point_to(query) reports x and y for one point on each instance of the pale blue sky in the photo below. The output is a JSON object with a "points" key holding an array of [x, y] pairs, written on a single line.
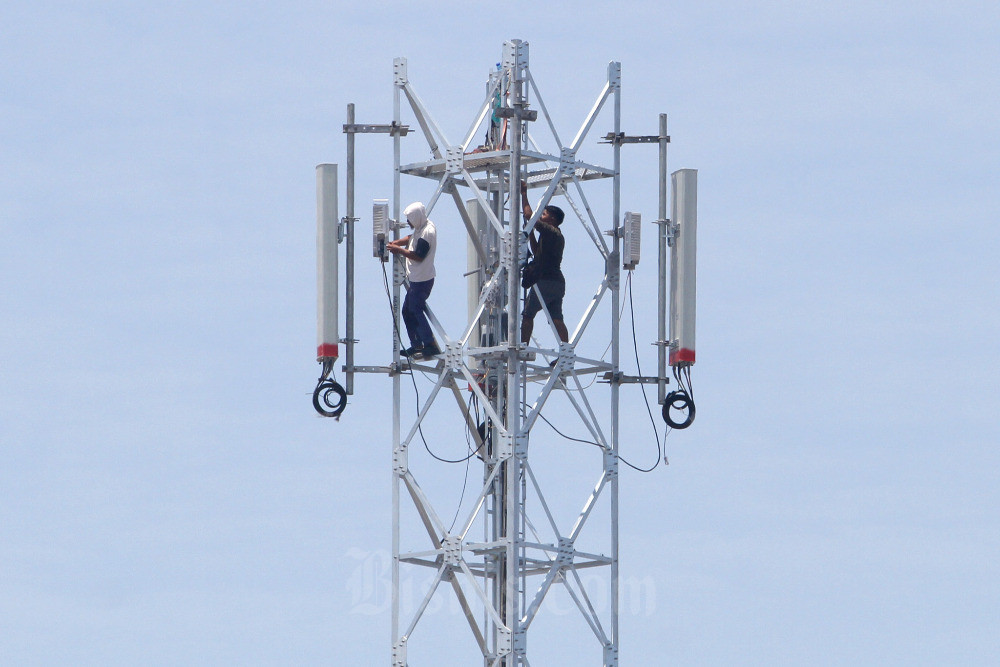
{"points": [[169, 497]]}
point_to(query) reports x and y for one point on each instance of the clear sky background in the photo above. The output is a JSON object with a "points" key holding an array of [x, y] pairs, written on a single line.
{"points": [[167, 494]]}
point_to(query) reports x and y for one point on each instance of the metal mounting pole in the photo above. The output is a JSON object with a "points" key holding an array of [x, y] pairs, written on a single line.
{"points": [[398, 453], [661, 246], [611, 464], [349, 311], [512, 467]]}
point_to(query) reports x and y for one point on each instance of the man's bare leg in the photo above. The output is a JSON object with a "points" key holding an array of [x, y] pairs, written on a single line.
{"points": [[561, 330], [527, 326]]}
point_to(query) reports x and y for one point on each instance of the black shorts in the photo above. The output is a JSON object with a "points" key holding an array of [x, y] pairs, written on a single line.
{"points": [[553, 292]]}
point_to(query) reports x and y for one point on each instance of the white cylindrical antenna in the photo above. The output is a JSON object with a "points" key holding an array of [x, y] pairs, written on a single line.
{"points": [[327, 335], [684, 215]]}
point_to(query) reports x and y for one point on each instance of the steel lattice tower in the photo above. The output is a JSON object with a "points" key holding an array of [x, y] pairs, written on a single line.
{"points": [[503, 557]]}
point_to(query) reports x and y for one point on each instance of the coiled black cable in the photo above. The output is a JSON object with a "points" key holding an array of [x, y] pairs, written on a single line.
{"points": [[321, 398], [678, 400], [681, 399]]}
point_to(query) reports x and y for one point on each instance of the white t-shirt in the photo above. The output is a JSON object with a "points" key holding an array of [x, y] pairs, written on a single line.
{"points": [[424, 269], [423, 229]]}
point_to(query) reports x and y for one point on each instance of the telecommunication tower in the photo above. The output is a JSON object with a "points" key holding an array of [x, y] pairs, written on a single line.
{"points": [[511, 548]]}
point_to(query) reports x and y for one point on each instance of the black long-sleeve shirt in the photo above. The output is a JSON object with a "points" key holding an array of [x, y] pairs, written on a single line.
{"points": [[549, 252]]}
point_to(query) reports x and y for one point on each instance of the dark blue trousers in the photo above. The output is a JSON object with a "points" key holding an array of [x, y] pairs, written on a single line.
{"points": [[414, 317]]}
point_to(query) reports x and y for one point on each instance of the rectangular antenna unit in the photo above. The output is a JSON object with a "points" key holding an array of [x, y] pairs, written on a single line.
{"points": [[380, 229], [327, 336], [630, 246], [684, 214], [475, 273]]}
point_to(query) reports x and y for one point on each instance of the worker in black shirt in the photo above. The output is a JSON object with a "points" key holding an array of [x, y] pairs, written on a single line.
{"points": [[548, 251]]}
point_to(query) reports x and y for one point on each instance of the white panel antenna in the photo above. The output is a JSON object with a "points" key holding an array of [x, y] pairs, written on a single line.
{"points": [[630, 247], [684, 215], [327, 336], [380, 229], [474, 276]]}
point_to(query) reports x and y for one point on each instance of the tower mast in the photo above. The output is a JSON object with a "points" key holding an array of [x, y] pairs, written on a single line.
{"points": [[501, 581]]}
